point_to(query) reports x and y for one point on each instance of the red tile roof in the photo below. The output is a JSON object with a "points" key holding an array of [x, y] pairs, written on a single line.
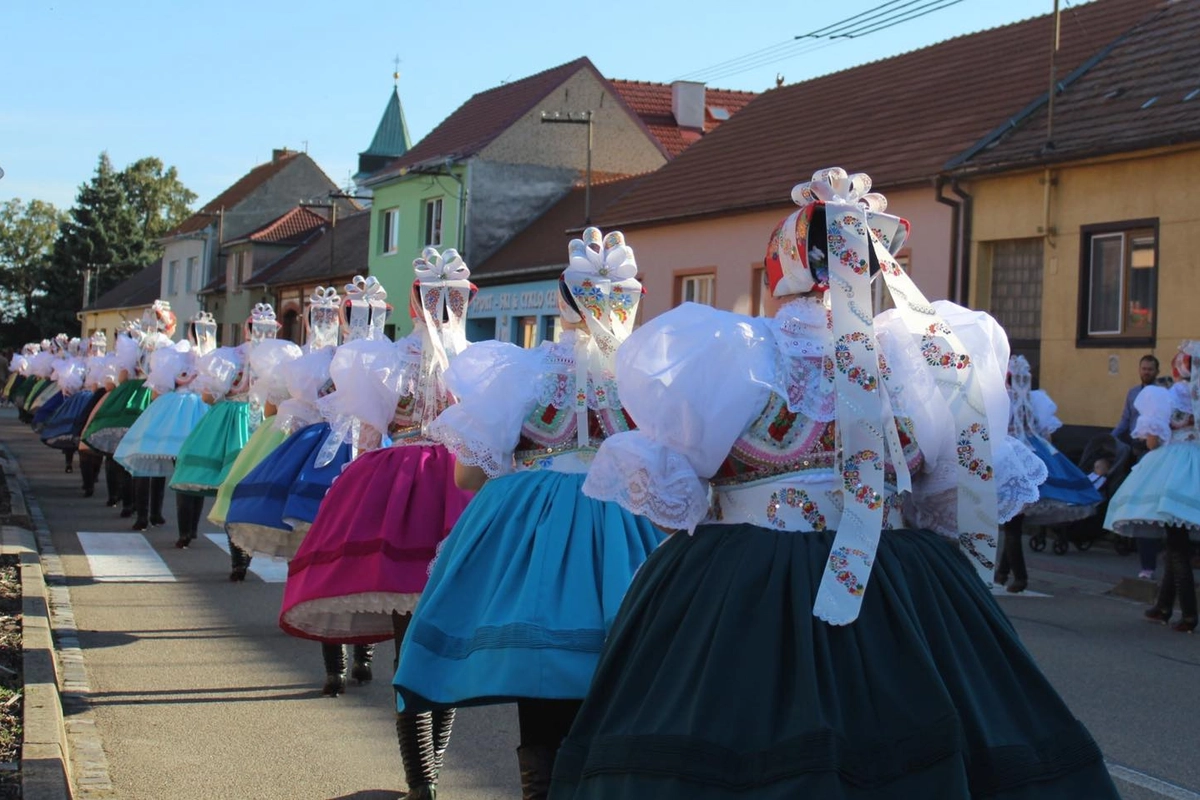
{"points": [[484, 117], [652, 103], [899, 119], [328, 254], [1144, 92], [542, 246], [291, 228], [235, 194]]}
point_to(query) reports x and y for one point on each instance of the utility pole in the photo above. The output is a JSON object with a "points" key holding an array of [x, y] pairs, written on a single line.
{"points": [[1053, 78], [584, 118]]}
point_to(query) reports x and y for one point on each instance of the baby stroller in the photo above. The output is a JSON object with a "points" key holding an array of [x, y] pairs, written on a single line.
{"points": [[1084, 532]]}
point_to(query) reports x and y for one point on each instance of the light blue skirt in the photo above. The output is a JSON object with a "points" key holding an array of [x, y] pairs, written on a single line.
{"points": [[1161, 490], [522, 595], [153, 442]]}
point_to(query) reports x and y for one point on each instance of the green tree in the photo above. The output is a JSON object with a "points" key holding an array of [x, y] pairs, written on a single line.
{"points": [[159, 198], [27, 232]]}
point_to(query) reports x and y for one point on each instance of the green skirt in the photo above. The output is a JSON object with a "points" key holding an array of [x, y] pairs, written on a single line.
{"points": [[208, 453], [261, 444], [717, 682], [122, 406], [39, 385]]}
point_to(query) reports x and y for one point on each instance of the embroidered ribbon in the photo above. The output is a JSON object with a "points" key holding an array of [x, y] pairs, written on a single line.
{"points": [[601, 275], [324, 319], [445, 288], [1021, 418], [202, 332]]}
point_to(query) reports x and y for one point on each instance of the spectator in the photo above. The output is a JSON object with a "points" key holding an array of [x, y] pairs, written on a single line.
{"points": [[1147, 373]]}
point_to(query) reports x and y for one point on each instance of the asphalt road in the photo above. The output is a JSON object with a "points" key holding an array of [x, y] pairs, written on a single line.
{"points": [[196, 692]]}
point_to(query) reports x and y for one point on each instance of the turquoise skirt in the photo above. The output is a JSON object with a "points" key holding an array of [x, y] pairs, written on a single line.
{"points": [[718, 682], [151, 445], [521, 595], [208, 453], [1163, 489]]}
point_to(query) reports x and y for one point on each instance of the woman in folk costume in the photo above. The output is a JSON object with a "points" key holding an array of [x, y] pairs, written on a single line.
{"points": [[132, 396], [257, 520], [150, 448], [115, 368], [90, 462], [20, 382], [362, 566], [1160, 497], [61, 430], [528, 582], [1065, 496], [42, 367], [62, 367], [782, 452], [207, 454]]}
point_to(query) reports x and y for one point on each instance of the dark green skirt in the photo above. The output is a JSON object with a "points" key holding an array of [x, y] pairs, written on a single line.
{"points": [[717, 682], [122, 406]]}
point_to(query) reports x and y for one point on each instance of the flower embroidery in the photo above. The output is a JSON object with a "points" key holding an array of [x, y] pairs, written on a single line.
{"points": [[795, 498], [852, 474], [966, 452], [839, 565]]}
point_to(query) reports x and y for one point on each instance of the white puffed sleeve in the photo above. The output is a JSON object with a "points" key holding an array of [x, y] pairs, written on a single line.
{"points": [[497, 385], [693, 380], [41, 365], [304, 376], [1154, 405], [1044, 413], [167, 364], [69, 374], [267, 360], [364, 374], [126, 356], [218, 370]]}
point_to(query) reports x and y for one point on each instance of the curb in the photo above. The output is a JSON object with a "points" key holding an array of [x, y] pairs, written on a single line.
{"points": [[81, 753]]}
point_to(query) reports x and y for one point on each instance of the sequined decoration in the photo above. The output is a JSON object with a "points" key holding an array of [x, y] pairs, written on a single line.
{"points": [[795, 498]]}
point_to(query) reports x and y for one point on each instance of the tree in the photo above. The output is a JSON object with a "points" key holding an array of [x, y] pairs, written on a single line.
{"points": [[158, 197], [27, 232]]}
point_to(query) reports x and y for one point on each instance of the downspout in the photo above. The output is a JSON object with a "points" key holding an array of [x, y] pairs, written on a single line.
{"points": [[968, 205], [955, 210]]}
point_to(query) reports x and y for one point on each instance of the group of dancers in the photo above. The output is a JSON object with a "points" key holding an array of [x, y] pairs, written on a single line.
{"points": [[717, 556]]}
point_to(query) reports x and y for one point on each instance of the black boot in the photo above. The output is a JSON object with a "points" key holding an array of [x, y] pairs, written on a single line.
{"points": [[537, 764], [127, 492], [89, 471], [240, 560], [361, 670], [158, 488], [335, 669], [442, 723], [112, 481], [1179, 571], [183, 518], [415, 736], [69, 457], [194, 521], [141, 503]]}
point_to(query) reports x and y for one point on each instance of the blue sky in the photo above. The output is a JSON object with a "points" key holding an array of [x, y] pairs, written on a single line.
{"points": [[211, 88]]}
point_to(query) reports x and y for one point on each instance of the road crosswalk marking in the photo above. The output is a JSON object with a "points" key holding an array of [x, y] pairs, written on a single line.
{"points": [[271, 570], [999, 591], [123, 558]]}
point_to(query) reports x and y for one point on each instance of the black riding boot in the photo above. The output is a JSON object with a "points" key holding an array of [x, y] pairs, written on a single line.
{"points": [[361, 670], [335, 669], [537, 764], [112, 481], [544, 724], [183, 518], [194, 522], [127, 492], [69, 458], [1012, 557], [240, 560], [1178, 582], [141, 503], [443, 722], [158, 488], [415, 736], [89, 470]]}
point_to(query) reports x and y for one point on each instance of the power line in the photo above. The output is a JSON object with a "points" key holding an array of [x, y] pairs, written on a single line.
{"points": [[873, 20]]}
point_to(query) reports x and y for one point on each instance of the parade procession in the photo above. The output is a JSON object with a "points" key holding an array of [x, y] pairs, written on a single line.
{"points": [[750, 443]]}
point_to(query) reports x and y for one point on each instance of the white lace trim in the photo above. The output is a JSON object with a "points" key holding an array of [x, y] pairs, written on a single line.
{"points": [[471, 452], [648, 480], [804, 369], [335, 616], [261, 540], [1019, 473]]}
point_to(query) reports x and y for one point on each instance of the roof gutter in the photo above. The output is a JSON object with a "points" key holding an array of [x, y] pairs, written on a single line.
{"points": [[964, 257], [939, 184]]}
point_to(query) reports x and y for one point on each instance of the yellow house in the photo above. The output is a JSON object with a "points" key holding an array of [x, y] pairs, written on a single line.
{"points": [[1085, 219], [125, 301]]}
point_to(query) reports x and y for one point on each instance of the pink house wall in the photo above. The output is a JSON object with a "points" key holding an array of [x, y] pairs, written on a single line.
{"points": [[732, 246]]}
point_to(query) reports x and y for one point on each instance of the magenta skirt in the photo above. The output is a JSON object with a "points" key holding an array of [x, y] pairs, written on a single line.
{"points": [[369, 551]]}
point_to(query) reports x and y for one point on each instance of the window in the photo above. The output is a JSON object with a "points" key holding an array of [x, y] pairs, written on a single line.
{"points": [[758, 290], [390, 233], [191, 284], [695, 287], [1118, 283], [551, 328], [527, 332], [172, 278], [433, 223]]}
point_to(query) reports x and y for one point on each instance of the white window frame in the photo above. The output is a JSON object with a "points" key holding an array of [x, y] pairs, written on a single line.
{"points": [[389, 234], [190, 274], [1096, 237], [703, 286], [173, 278], [433, 222]]}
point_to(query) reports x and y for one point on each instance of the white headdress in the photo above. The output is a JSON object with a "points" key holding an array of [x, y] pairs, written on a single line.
{"points": [[366, 308], [202, 333], [324, 320]]}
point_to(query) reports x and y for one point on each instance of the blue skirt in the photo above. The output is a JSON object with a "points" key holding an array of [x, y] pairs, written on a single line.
{"points": [[1067, 494], [258, 519], [521, 595], [62, 430], [717, 682], [47, 411], [1160, 491], [152, 443]]}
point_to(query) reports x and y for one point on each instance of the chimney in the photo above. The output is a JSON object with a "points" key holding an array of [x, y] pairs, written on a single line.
{"points": [[279, 153], [687, 104]]}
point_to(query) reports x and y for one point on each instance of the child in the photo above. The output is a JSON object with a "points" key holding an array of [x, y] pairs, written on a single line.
{"points": [[1099, 474]]}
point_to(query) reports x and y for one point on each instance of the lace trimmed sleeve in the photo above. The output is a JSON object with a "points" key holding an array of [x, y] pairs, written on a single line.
{"points": [[365, 373], [497, 385], [693, 380], [1044, 413], [167, 364], [1154, 406], [267, 360]]}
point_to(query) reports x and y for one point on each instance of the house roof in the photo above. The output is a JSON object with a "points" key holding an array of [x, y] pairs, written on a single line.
{"points": [[239, 191], [542, 246], [652, 103], [899, 119], [293, 227], [329, 253], [391, 137], [1142, 92], [484, 117], [140, 289]]}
